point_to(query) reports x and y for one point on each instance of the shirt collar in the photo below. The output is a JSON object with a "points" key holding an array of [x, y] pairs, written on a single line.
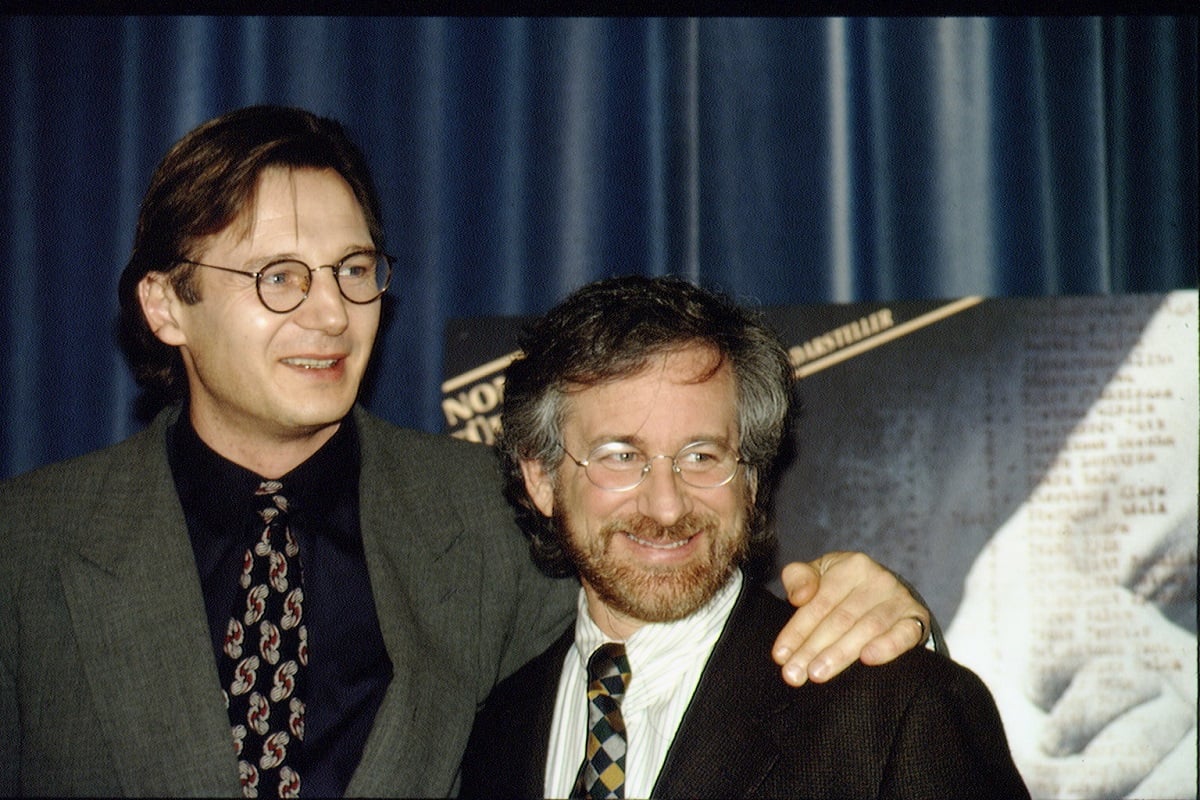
{"points": [[221, 493], [663, 645]]}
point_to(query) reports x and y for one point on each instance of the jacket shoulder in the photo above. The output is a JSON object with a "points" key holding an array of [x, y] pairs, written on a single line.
{"points": [[425, 456], [913, 727], [925, 723], [54, 497], [146, 447]]}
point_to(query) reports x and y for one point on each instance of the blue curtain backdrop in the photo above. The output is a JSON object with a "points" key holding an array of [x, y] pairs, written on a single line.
{"points": [[783, 160]]}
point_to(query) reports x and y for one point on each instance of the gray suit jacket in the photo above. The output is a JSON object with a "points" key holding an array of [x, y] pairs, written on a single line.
{"points": [[108, 684], [919, 727]]}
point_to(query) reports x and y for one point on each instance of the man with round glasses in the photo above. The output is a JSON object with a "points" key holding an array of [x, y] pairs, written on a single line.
{"points": [[136, 582], [680, 400]]}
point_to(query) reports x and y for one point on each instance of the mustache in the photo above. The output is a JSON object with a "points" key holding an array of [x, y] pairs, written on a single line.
{"points": [[646, 529]]}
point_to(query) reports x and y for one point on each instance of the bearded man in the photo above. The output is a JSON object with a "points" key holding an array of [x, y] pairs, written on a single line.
{"points": [[640, 427]]}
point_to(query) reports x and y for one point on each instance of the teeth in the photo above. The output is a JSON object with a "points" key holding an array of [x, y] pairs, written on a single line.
{"points": [[657, 546], [311, 363]]}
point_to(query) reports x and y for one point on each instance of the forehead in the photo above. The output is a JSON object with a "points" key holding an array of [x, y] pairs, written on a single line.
{"points": [[675, 399], [287, 198]]}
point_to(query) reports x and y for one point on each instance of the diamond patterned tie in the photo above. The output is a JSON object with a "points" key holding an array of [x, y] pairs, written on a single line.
{"points": [[266, 651], [602, 774]]}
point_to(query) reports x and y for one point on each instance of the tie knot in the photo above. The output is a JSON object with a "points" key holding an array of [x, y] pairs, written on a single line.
{"points": [[609, 668], [271, 502]]}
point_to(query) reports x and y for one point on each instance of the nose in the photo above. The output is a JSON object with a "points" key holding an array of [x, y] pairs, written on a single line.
{"points": [[325, 308], [662, 495]]}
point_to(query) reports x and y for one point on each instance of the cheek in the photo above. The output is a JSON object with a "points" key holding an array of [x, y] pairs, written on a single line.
{"points": [[240, 325], [589, 508], [365, 319], [255, 335], [731, 508]]}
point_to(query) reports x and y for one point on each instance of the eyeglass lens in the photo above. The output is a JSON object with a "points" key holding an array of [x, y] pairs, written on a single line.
{"points": [[703, 465], [361, 277]]}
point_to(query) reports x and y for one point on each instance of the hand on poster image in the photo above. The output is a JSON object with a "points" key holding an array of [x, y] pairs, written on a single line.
{"points": [[1077, 612], [1092, 709]]}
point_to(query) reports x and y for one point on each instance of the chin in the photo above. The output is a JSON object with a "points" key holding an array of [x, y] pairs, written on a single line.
{"points": [[320, 415], [660, 595]]}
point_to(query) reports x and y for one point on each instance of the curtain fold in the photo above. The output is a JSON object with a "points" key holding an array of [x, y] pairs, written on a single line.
{"points": [[784, 160]]}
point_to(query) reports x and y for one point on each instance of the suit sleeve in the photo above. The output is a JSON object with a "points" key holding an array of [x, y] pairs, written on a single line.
{"points": [[540, 607], [471, 547], [10, 721]]}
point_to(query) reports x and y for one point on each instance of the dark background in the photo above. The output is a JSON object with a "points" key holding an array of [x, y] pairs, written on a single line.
{"points": [[804, 160]]}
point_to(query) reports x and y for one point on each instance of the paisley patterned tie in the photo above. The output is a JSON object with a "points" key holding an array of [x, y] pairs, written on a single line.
{"points": [[266, 652]]}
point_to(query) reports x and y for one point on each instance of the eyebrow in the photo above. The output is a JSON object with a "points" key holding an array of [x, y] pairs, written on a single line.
{"points": [[262, 261], [640, 443]]}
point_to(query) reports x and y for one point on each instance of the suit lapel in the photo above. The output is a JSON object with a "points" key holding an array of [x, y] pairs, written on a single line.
{"points": [[509, 744], [391, 753], [725, 744], [529, 731], [409, 744], [138, 613]]}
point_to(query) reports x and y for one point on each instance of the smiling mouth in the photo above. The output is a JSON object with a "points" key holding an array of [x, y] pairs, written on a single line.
{"points": [[310, 363], [673, 545]]}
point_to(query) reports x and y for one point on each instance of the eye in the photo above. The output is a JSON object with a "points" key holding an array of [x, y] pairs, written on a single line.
{"points": [[617, 456], [702, 456], [284, 274], [357, 266]]}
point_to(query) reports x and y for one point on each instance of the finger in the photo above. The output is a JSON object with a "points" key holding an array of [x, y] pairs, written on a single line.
{"points": [[835, 644], [905, 634], [826, 584], [874, 637], [1100, 691], [801, 582]]}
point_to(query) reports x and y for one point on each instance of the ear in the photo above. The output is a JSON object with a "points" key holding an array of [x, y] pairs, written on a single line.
{"points": [[539, 484], [160, 305]]}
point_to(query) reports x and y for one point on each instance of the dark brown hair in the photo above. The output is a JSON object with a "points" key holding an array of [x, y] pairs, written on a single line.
{"points": [[205, 183]]}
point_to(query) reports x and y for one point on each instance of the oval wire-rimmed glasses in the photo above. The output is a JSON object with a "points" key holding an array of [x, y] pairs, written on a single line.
{"points": [[620, 467], [362, 277]]}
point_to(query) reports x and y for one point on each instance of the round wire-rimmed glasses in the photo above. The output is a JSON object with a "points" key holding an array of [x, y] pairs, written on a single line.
{"points": [[619, 466], [282, 285]]}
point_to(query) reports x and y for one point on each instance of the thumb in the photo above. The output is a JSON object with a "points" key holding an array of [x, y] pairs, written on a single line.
{"points": [[801, 582]]}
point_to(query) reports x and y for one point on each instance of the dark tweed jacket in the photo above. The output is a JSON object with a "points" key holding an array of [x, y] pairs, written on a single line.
{"points": [[920, 727]]}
